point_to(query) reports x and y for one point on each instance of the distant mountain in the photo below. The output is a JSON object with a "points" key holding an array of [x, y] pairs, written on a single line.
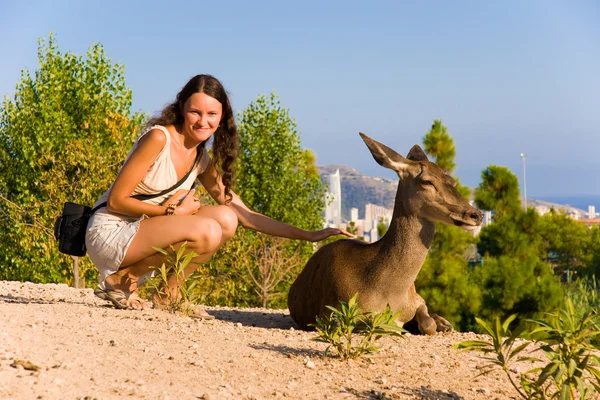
{"points": [[359, 189]]}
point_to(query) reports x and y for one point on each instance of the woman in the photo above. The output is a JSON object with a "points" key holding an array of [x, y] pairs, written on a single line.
{"points": [[121, 236]]}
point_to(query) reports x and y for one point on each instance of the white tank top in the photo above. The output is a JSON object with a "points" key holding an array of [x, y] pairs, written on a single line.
{"points": [[161, 175]]}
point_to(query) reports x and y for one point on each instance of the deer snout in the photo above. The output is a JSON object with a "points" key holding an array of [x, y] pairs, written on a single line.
{"points": [[476, 216], [469, 219]]}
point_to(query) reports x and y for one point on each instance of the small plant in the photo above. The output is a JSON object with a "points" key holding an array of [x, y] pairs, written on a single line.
{"points": [[173, 267], [352, 332], [566, 339], [584, 294], [503, 345], [567, 342]]}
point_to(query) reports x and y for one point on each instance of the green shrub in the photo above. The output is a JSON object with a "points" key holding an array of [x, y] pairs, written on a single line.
{"points": [[584, 295], [509, 286], [352, 332], [63, 137], [566, 339]]}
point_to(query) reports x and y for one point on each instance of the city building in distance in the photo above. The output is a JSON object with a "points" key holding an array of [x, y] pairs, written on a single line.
{"points": [[333, 198]]}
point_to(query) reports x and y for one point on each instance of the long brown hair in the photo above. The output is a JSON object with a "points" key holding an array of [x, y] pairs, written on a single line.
{"points": [[226, 141]]}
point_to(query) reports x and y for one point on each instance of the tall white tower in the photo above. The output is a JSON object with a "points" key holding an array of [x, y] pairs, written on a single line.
{"points": [[591, 212], [333, 212]]}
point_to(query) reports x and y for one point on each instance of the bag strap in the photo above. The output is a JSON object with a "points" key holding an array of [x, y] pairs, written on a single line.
{"points": [[151, 196]]}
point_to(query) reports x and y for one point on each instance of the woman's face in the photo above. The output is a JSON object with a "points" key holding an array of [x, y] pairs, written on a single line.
{"points": [[201, 116]]}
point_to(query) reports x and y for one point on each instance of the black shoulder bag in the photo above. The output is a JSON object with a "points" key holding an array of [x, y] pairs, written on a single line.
{"points": [[70, 226]]}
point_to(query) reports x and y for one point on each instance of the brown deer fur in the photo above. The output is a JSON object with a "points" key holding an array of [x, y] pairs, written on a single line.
{"points": [[384, 272]]}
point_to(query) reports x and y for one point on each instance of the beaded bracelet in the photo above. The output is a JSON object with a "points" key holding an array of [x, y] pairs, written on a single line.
{"points": [[170, 209]]}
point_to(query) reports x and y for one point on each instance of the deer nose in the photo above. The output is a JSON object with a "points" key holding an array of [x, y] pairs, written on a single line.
{"points": [[476, 216]]}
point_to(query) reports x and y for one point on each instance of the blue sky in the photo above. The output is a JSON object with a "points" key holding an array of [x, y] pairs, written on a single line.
{"points": [[505, 77]]}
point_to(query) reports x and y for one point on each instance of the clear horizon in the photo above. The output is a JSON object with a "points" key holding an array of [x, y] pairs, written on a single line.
{"points": [[505, 78]]}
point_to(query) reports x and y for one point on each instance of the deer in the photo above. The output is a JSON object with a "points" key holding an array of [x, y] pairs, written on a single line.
{"points": [[383, 273]]}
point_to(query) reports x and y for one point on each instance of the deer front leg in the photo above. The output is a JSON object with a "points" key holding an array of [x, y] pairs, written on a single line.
{"points": [[428, 324]]}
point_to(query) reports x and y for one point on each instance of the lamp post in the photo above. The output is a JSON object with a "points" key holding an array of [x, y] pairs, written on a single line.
{"points": [[523, 156]]}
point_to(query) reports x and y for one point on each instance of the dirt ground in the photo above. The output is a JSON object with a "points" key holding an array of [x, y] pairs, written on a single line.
{"points": [[58, 342]]}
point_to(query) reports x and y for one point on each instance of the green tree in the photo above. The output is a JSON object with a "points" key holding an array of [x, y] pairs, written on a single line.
{"points": [[566, 242], [526, 287], [594, 252], [514, 232], [452, 294], [498, 191], [278, 178], [440, 145], [514, 277], [63, 136], [515, 235]]}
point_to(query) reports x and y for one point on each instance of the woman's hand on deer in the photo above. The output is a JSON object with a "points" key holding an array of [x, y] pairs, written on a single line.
{"points": [[325, 233]]}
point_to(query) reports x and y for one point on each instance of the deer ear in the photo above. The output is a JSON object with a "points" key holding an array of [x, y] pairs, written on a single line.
{"points": [[385, 156], [417, 154]]}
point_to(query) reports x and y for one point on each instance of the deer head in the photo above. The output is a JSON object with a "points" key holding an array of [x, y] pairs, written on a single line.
{"points": [[425, 190]]}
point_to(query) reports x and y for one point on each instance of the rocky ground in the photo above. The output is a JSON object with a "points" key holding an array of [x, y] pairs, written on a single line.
{"points": [[58, 342]]}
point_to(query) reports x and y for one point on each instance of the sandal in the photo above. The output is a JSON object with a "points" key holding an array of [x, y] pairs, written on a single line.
{"points": [[115, 296], [104, 295], [101, 293]]}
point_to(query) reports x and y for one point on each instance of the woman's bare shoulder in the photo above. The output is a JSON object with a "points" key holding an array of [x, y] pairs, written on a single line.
{"points": [[155, 138]]}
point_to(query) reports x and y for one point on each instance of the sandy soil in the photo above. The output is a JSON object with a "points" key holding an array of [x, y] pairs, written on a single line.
{"points": [[58, 342]]}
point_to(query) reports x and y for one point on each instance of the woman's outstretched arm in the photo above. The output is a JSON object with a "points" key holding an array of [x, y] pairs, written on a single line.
{"points": [[250, 219]]}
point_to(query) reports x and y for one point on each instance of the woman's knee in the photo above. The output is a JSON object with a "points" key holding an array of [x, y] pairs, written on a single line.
{"points": [[208, 235], [228, 220]]}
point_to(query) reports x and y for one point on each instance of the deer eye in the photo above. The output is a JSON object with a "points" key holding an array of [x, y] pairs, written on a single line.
{"points": [[427, 183]]}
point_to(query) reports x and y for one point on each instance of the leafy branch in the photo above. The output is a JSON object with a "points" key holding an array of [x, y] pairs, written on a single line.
{"points": [[28, 214]]}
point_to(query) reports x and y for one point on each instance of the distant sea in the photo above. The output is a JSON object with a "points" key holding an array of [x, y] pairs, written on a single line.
{"points": [[581, 202]]}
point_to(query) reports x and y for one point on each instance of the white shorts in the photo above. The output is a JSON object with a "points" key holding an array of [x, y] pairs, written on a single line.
{"points": [[107, 240]]}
